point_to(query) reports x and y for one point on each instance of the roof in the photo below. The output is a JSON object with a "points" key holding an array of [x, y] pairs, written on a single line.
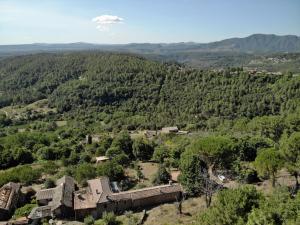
{"points": [[40, 212], [63, 193], [45, 194], [67, 180], [96, 192], [6, 194], [146, 192], [102, 158], [168, 129]]}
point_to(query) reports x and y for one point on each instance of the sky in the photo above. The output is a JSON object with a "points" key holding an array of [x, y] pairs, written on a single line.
{"points": [[141, 21]]}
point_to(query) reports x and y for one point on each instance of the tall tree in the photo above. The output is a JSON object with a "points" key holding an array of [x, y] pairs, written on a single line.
{"points": [[291, 153], [268, 162]]}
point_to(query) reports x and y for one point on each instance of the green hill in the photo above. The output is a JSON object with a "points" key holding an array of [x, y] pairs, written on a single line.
{"points": [[166, 93]]}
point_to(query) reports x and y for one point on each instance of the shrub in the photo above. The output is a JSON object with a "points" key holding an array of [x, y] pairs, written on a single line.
{"points": [[89, 220], [84, 172], [49, 183], [111, 169], [162, 176], [24, 210]]}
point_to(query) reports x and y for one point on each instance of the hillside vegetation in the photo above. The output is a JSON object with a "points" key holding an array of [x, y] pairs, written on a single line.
{"points": [[160, 93], [60, 111]]}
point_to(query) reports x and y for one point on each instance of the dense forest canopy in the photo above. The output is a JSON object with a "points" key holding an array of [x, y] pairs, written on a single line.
{"points": [[161, 93]]}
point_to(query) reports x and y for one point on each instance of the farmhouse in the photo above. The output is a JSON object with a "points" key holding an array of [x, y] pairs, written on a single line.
{"points": [[63, 201], [98, 198], [55, 202], [10, 195]]}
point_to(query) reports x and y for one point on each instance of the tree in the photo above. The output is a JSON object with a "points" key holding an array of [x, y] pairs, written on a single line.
{"points": [[268, 162], [111, 169], [268, 126], [232, 207], [291, 153], [142, 150], [4, 121], [160, 153], [124, 142], [22, 156], [104, 144], [279, 208], [113, 151], [214, 151], [162, 176], [84, 172], [192, 167]]}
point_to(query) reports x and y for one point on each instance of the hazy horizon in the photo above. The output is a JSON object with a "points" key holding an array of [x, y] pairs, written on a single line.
{"points": [[128, 43]]}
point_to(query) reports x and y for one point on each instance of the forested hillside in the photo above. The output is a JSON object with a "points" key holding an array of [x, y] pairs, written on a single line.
{"points": [[162, 93], [60, 112]]}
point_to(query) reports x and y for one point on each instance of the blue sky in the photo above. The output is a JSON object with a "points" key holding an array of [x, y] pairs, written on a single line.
{"points": [[127, 21]]}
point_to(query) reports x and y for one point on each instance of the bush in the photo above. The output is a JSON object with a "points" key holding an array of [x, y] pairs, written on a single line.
{"points": [[111, 169], [160, 153], [162, 176], [89, 220], [142, 149], [84, 172], [24, 211], [23, 174], [110, 218], [231, 206], [49, 183]]}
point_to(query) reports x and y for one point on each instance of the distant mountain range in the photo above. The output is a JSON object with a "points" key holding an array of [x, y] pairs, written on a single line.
{"points": [[256, 43]]}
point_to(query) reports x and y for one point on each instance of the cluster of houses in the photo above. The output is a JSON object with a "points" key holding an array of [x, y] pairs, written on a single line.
{"points": [[66, 201]]}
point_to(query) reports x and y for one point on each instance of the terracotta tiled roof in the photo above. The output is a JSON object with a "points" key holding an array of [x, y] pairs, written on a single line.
{"points": [[96, 192]]}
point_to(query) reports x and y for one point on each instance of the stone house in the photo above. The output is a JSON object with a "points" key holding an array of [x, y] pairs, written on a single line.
{"points": [[55, 202], [98, 198], [10, 195]]}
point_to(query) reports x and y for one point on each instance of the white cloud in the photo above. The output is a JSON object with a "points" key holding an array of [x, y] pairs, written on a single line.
{"points": [[105, 21]]}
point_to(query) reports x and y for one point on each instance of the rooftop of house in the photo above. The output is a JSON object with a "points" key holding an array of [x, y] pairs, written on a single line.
{"points": [[102, 158], [168, 129], [96, 192], [99, 191], [62, 194], [6, 194], [45, 194], [146, 192], [40, 212]]}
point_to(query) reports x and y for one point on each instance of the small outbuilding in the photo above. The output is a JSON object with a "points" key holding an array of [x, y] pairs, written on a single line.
{"points": [[168, 130], [101, 159]]}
